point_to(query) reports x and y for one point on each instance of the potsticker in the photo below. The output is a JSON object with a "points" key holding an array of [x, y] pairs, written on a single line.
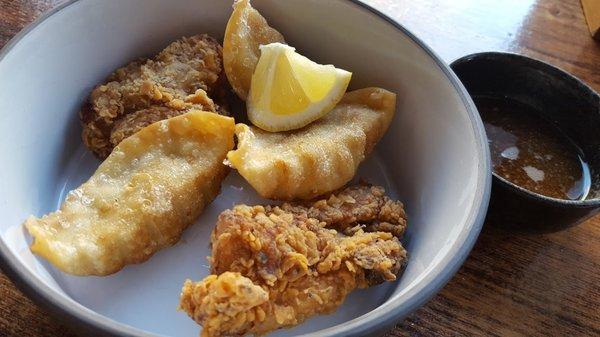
{"points": [[151, 187]]}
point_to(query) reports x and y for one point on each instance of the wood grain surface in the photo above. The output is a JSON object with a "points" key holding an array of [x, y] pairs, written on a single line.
{"points": [[591, 11], [511, 284]]}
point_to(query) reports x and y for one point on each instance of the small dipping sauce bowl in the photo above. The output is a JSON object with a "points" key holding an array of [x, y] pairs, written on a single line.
{"points": [[560, 101]]}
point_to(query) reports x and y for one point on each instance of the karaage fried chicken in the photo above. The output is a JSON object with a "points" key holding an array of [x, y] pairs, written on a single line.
{"points": [[180, 78], [276, 266]]}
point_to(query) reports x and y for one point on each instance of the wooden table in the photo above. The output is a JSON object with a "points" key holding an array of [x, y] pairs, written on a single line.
{"points": [[511, 284]]}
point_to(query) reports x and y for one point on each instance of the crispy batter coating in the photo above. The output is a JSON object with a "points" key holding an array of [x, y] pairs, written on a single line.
{"points": [[246, 30], [131, 123], [141, 198], [354, 205], [294, 253], [180, 78], [228, 292], [318, 158]]}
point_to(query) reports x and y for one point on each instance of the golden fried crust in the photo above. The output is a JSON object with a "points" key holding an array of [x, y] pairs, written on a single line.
{"points": [[318, 158], [187, 68], [246, 30], [131, 123], [294, 254], [363, 205], [229, 292], [141, 198]]}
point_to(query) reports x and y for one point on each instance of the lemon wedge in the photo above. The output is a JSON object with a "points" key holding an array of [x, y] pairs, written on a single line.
{"points": [[288, 91]]}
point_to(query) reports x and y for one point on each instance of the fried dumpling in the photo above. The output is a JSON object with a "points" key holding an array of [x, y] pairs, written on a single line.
{"points": [[140, 199], [319, 158], [246, 30]]}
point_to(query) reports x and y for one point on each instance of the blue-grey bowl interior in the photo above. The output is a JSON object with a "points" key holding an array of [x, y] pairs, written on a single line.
{"points": [[435, 152]]}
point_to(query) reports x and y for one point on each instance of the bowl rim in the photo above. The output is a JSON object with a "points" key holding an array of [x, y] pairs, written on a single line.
{"points": [[504, 57], [383, 316]]}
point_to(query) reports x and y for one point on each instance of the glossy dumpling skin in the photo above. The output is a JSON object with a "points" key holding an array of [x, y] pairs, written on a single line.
{"points": [[246, 30], [319, 158], [151, 187]]}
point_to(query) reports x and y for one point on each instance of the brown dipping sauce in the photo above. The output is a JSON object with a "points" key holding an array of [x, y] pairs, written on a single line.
{"points": [[531, 152]]}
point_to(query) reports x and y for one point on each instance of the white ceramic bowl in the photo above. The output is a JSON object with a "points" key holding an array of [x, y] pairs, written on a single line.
{"points": [[434, 157]]}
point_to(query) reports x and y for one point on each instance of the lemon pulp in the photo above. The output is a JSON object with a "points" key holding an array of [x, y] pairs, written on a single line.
{"points": [[289, 91]]}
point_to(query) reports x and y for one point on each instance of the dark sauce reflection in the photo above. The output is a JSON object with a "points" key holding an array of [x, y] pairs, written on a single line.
{"points": [[531, 152]]}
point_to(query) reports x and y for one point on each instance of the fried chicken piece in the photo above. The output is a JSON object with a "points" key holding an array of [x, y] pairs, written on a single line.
{"points": [[356, 205], [296, 255], [180, 78], [228, 292], [135, 121]]}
